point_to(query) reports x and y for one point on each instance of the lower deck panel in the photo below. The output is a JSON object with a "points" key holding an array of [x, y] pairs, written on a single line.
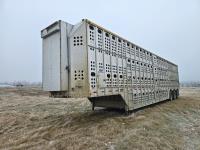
{"points": [[131, 103]]}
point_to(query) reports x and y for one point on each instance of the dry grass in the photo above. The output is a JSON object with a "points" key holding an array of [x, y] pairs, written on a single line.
{"points": [[29, 119]]}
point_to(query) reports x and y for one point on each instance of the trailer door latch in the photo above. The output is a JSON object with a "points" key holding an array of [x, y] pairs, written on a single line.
{"points": [[67, 67]]}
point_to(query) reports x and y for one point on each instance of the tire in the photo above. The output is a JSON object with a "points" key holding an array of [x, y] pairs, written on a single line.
{"points": [[177, 92], [173, 95], [170, 96]]}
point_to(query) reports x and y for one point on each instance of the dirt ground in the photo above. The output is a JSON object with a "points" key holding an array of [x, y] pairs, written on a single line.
{"points": [[29, 119]]}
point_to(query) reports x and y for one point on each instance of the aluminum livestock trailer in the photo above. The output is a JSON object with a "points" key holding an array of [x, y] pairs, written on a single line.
{"points": [[87, 60]]}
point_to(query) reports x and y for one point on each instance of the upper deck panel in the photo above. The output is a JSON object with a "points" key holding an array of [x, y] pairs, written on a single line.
{"points": [[102, 28]]}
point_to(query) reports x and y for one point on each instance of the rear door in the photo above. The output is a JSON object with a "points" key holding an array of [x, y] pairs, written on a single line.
{"points": [[51, 57]]}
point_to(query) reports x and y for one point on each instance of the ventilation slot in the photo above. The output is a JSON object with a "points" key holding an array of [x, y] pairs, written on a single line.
{"points": [[78, 75], [93, 75], [78, 40]]}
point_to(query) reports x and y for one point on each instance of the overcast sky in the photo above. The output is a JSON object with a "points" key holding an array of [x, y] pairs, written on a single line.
{"points": [[169, 28]]}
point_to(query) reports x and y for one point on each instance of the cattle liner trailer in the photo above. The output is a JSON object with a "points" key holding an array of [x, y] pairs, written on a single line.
{"points": [[87, 60]]}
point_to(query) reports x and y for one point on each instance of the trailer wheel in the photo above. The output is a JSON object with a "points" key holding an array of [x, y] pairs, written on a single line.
{"points": [[175, 93], [170, 95]]}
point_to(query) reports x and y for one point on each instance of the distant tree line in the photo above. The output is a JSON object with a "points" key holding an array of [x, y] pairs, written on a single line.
{"points": [[22, 83], [190, 84]]}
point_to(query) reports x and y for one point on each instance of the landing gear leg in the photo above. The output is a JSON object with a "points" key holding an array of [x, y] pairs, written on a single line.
{"points": [[92, 106], [127, 112]]}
